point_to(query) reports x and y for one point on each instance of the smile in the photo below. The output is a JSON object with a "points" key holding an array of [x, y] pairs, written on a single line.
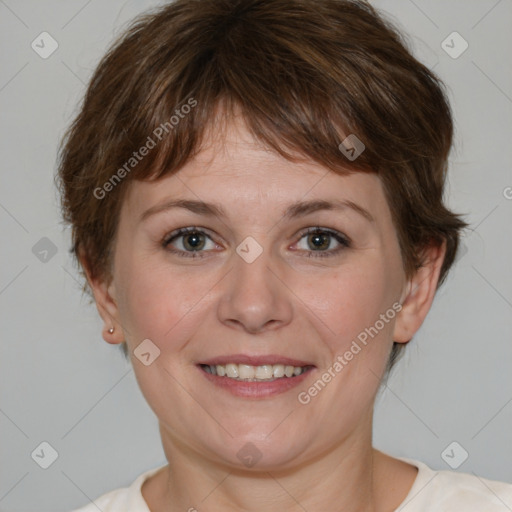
{"points": [[268, 377], [249, 373]]}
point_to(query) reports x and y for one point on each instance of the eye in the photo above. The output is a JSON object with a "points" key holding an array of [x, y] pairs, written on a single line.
{"points": [[321, 238], [194, 240], [192, 244]]}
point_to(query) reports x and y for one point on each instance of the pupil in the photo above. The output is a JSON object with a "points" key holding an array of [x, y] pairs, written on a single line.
{"points": [[196, 240], [319, 238]]}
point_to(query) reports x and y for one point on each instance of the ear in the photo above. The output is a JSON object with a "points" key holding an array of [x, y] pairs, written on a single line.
{"points": [[104, 296], [419, 294]]}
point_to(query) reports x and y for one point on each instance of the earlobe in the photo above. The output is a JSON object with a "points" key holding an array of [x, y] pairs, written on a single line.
{"points": [[104, 296], [419, 294]]}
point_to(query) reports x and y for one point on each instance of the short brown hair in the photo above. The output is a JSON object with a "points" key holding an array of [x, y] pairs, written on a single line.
{"points": [[305, 75]]}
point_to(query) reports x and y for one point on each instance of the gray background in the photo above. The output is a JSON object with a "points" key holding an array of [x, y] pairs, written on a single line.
{"points": [[61, 383]]}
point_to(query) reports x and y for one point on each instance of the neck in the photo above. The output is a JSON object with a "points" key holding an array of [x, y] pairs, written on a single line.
{"points": [[347, 478]]}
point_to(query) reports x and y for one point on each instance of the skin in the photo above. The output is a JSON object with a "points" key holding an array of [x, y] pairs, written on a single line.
{"points": [[317, 456]]}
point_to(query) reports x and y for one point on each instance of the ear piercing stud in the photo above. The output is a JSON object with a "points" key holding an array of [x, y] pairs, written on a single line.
{"points": [[111, 330]]}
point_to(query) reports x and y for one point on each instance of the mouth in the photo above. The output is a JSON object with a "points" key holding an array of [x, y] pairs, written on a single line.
{"points": [[250, 373], [255, 377]]}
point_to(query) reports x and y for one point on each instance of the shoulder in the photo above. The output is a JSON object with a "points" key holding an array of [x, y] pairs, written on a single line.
{"points": [[112, 501], [443, 490], [470, 490], [125, 499]]}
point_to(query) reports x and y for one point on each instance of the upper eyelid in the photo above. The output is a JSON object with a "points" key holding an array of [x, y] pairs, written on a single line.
{"points": [[189, 229]]}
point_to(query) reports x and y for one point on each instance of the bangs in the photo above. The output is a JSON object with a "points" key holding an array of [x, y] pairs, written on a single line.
{"points": [[284, 109], [301, 90]]}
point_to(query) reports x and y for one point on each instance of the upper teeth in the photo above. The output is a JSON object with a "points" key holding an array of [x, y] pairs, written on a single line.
{"points": [[246, 371]]}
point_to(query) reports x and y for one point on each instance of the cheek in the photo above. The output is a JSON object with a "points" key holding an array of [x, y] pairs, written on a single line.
{"points": [[353, 301], [160, 303]]}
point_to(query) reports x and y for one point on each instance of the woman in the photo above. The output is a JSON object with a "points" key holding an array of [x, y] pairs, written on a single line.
{"points": [[255, 190]]}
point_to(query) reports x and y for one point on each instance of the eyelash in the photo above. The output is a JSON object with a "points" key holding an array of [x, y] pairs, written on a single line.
{"points": [[344, 241]]}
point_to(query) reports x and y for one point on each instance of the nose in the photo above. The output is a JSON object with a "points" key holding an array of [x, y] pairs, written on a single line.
{"points": [[255, 297]]}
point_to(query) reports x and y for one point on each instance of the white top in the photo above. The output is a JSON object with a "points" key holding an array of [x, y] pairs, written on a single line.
{"points": [[432, 491]]}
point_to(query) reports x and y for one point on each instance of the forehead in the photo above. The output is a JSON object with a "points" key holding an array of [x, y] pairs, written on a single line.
{"points": [[233, 168]]}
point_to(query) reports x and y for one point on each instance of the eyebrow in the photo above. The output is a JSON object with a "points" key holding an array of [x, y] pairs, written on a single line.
{"points": [[295, 210]]}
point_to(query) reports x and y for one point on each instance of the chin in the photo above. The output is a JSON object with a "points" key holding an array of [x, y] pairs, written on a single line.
{"points": [[258, 451]]}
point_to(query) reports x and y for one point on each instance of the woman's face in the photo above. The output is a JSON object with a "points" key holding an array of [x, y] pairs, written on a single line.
{"points": [[258, 286]]}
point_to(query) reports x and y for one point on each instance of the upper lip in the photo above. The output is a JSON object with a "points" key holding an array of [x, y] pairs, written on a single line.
{"points": [[269, 359]]}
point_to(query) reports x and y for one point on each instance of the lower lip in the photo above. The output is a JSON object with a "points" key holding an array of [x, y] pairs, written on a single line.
{"points": [[261, 389]]}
